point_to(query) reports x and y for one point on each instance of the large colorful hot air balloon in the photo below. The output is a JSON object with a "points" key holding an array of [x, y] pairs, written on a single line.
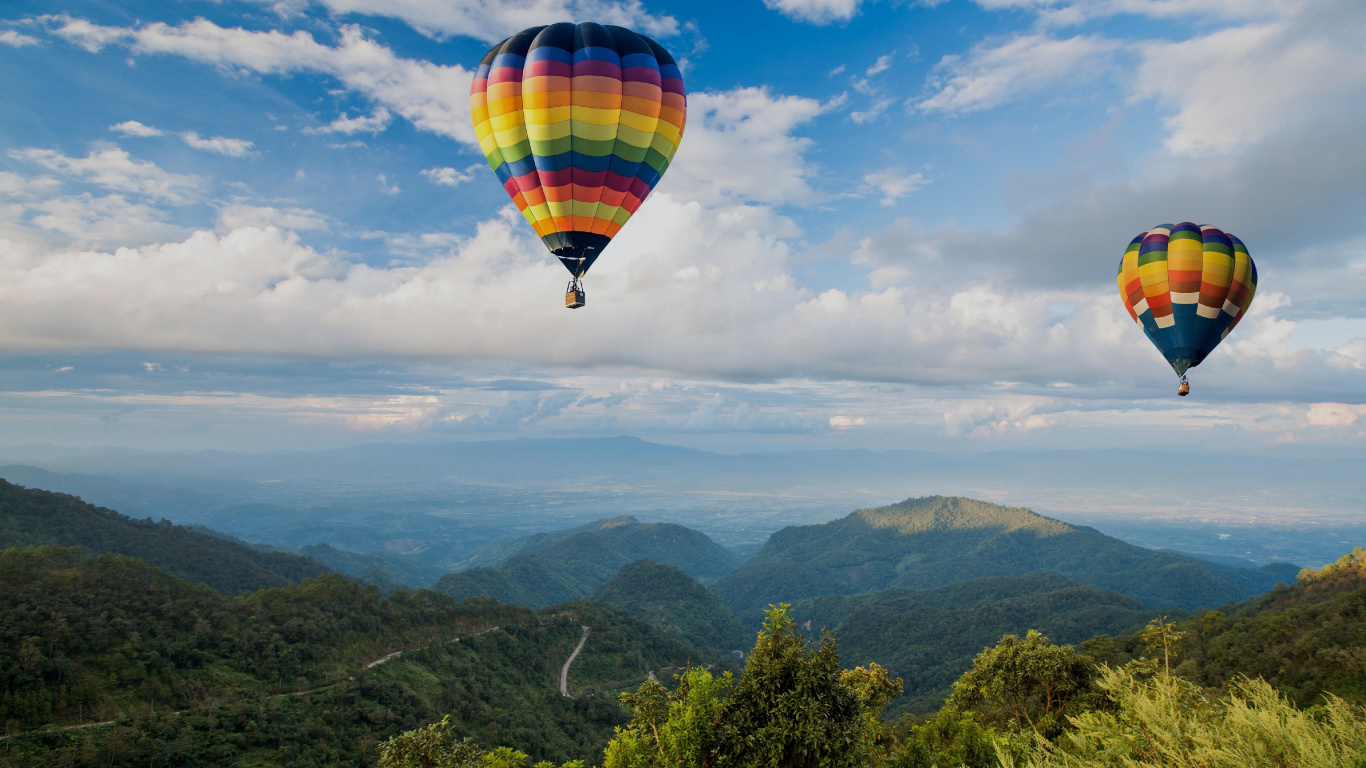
{"points": [[579, 122], [1188, 286]]}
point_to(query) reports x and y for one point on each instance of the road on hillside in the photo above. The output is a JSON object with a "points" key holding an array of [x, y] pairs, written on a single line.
{"points": [[564, 671]]}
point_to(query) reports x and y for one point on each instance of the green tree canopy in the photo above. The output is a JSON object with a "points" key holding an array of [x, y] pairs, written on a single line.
{"points": [[1024, 684]]}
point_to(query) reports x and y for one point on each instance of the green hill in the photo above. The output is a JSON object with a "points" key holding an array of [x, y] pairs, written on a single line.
{"points": [[40, 518], [1307, 639], [555, 567], [173, 673], [929, 637], [404, 571], [934, 541], [669, 598]]}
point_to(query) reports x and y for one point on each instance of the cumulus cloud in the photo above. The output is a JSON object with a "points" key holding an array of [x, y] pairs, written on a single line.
{"points": [[134, 128], [816, 11], [740, 145], [1236, 86], [218, 145], [449, 177], [999, 416], [492, 22], [240, 215], [115, 169], [431, 96], [894, 184], [16, 40], [723, 414], [994, 72], [372, 123], [518, 412]]}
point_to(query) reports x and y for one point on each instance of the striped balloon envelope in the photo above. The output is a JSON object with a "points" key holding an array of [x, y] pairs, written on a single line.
{"points": [[1188, 286], [579, 122]]}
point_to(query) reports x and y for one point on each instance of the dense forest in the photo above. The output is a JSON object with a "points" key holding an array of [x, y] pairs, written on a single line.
{"points": [[934, 541], [929, 637], [1025, 701], [162, 671], [550, 568], [669, 598], [31, 518]]}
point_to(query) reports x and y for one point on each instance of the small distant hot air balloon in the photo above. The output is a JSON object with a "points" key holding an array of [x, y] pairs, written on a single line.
{"points": [[1188, 286], [579, 122]]}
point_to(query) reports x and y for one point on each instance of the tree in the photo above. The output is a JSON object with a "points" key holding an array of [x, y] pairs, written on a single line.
{"points": [[1166, 721], [433, 746], [1024, 684], [790, 708], [670, 728]]}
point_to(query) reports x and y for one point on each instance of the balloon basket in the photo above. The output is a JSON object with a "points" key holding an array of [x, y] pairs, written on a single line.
{"points": [[1185, 388], [574, 297]]}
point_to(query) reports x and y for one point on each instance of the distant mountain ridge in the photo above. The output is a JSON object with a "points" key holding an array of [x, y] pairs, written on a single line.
{"points": [[556, 567], [933, 541], [31, 518]]}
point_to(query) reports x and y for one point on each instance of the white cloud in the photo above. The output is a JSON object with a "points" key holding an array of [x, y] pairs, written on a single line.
{"points": [[1237, 86], [104, 221], [1334, 414], [115, 169], [992, 74], [134, 128], [493, 21], [435, 98], [450, 177], [218, 145], [894, 184], [241, 215], [873, 112], [386, 187], [724, 414], [883, 63], [1071, 12], [373, 123], [16, 40], [816, 11], [739, 145], [1000, 416]]}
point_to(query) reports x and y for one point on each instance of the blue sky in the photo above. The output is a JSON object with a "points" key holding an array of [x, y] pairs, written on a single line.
{"points": [[253, 225]]}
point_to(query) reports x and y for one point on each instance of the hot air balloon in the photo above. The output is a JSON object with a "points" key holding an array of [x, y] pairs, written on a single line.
{"points": [[579, 122], [1188, 286]]}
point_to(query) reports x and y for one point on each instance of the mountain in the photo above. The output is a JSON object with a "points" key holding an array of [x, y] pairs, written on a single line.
{"points": [[928, 637], [35, 518], [555, 567], [669, 598], [404, 571], [934, 541], [1307, 639], [160, 671], [675, 545]]}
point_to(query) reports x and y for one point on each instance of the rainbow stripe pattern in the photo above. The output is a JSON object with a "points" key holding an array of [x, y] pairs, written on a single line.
{"points": [[1188, 286], [579, 122]]}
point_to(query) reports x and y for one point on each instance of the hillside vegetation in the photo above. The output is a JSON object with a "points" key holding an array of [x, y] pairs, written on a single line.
{"points": [[31, 518], [550, 568], [373, 567], [671, 599], [1309, 639], [934, 541], [929, 637], [287, 676]]}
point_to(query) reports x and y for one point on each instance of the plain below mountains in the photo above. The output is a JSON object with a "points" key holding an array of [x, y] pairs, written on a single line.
{"points": [[568, 565], [934, 541]]}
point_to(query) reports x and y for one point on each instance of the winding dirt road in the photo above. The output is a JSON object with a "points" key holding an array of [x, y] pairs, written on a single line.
{"points": [[564, 671]]}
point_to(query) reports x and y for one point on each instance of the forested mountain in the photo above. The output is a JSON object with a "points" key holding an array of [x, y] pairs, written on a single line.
{"points": [[669, 598], [37, 518], [303, 675], [933, 541], [363, 565], [554, 567], [1307, 639], [929, 637]]}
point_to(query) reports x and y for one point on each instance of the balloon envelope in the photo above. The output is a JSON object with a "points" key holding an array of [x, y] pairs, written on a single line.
{"points": [[579, 122], [1188, 286]]}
